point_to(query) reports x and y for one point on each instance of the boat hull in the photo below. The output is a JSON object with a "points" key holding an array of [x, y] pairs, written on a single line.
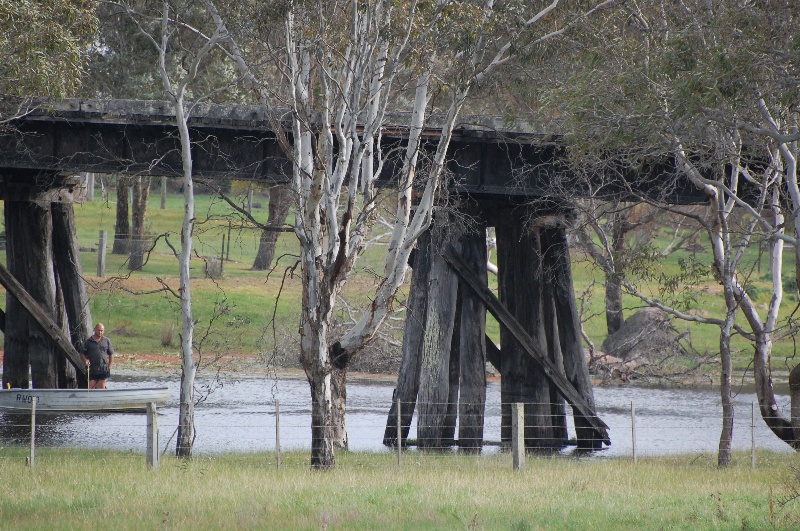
{"points": [[81, 400]]}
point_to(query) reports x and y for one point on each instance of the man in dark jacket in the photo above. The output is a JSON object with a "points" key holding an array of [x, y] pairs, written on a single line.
{"points": [[98, 355]]}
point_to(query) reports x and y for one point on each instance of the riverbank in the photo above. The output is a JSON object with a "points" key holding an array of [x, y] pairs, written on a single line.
{"points": [[242, 366], [251, 365], [239, 368], [67, 490]]}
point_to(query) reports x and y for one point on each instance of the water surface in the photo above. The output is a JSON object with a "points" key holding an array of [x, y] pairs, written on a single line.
{"points": [[239, 416]]}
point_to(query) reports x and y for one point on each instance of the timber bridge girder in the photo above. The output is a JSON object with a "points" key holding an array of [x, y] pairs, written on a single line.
{"points": [[488, 157]]}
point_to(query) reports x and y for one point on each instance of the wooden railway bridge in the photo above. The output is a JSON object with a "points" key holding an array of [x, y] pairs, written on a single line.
{"points": [[497, 171]]}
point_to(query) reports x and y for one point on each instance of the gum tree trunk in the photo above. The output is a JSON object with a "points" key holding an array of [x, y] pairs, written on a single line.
{"points": [[185, 441], [726, 434], [138, 243], [315, 355], [614, 316], [280, 201]]}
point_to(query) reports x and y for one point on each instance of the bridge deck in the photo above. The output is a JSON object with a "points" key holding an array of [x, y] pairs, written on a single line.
{"points": [[488, 157]]}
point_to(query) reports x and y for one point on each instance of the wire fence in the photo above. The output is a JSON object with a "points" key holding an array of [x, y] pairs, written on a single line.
{"points": [[273, 428]]}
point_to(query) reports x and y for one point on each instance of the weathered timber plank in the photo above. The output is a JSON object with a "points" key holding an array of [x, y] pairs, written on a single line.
{"points": [[558, 407], [472, 333], [67, 258], [557, 404], [46, 323], [16, 361], [408, 375], [449, 422], [501, 314], [569, 327], [493, 354], [434, 388], [30, 261], [519, 284]]}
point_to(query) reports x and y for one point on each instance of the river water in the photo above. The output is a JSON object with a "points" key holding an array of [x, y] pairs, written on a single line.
{"points": [[239, 416]]}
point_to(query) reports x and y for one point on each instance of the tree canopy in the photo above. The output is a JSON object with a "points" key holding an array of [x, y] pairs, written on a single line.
{"points": [[45, 44]]}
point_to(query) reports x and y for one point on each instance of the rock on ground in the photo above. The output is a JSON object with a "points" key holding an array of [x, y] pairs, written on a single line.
{"points": [[646, 334]]}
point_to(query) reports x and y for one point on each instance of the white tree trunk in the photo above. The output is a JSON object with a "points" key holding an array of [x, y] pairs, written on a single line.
{"points": [[176, 92], [185, 440]]}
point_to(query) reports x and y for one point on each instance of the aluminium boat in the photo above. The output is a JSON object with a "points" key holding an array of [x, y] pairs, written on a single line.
{"points": [[81, 400]]}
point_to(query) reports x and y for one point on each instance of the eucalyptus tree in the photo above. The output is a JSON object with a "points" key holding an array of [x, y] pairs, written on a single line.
{"points": [[619, 236], [121, 65], [181, 51], [332, 76], [709, 88]]}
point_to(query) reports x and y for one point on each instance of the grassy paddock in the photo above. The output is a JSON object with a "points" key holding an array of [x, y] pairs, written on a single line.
{"points": [[72, 489]]}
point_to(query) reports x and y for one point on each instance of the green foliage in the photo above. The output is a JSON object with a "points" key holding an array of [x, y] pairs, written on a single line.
{"points": [[679, 289], [755, 291], [790, 284], [124, 63], [44, 43]]}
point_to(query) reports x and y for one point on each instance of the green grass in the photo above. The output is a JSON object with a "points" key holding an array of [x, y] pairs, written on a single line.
{"points": [[74, 489]]}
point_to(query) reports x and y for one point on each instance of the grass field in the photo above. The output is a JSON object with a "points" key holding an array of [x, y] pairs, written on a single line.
{"points": [[235, 313], [73, 489]]}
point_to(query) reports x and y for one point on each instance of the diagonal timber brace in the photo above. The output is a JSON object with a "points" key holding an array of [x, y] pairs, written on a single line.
{"points": [[62, 343], [499, 311]]}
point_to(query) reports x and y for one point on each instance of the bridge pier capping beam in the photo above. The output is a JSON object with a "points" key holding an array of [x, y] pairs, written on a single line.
{"points": [[541, 361]]}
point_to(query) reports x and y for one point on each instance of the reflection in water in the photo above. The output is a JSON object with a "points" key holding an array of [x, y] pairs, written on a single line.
{"points": [[238, 416]]}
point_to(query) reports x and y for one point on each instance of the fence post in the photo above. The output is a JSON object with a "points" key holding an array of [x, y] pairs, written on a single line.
{"points": [[228, 248], [278, 431], [222, 256], [518, 435], [753, 436], [633, 430], [399, 436], [101, 255], [33, 433], [151, 456]]}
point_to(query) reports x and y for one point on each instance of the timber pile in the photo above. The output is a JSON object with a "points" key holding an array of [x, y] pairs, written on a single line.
{"points": [[443, 370]]}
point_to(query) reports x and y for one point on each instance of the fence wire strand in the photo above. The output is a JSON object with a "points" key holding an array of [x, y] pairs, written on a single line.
{"points": [[549, 428]]}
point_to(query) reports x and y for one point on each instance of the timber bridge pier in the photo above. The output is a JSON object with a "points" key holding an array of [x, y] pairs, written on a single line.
{"points": [[498, 174]]}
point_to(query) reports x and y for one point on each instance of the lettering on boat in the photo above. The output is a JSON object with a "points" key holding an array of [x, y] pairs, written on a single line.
{"points": [[27, 399]]}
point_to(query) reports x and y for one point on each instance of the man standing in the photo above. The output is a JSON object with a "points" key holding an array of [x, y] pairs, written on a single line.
{"points": [[98, 355]]}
